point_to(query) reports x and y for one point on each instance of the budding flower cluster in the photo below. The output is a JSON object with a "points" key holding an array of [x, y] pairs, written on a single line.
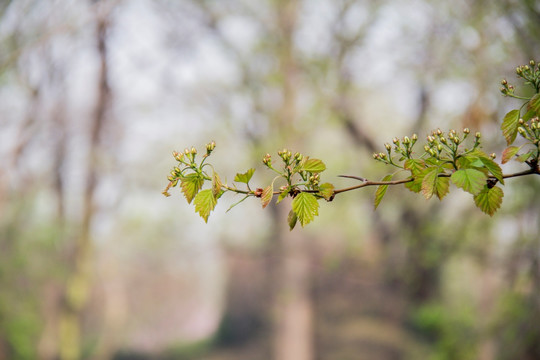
{"points": [[285, 155], [267, 160], [210, 147]]}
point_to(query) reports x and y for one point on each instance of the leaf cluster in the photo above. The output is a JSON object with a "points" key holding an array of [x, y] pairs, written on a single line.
{"points": [[445, 158]]}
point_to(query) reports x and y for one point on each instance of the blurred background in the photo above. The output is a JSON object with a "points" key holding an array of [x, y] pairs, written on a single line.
{"points": [[96, 264]]}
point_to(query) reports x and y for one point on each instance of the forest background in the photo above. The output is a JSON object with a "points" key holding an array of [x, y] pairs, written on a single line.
{"points": [[95, 263]]}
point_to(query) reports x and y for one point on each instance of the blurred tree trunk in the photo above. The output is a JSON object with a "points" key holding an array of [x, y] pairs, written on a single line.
{"points": [[79, 282], [292, 302]]}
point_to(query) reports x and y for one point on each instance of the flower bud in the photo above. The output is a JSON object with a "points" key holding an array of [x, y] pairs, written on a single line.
{"points": [[521, 121], [521, 130], [406, 140], [414, 137], [443, 139], [430, 139], [375, 156], [426, 148], [439, 147], [186, 151], [388, 146], [466, 131], [193, 150], [493, 155], [439, 132], [456, 140], [395, 141], [531, 62], [504, 82], [478, 135]]}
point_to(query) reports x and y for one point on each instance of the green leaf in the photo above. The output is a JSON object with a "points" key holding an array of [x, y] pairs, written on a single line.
{"points": [[314, 166], [245, 177], [283, 195], [291, 219], [381, 190], [470, 180], [509, 153], [534, 104], [414, 165], [489, 200], [205, 202], [525, 157], [306, 207], [216, 184], [493, 168], [433, 184], [191, 184], [529, 115], [510, 125], [266, 196], [326, 190]]}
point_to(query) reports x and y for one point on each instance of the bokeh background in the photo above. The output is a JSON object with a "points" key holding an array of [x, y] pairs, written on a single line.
{"points": [[96, 264]]}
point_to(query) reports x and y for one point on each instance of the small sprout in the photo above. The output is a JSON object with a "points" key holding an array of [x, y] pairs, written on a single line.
{"points": [[258, 192]]}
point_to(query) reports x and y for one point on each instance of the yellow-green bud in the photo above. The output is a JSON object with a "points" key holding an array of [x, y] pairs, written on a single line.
{"points": [[426, 148], [388, 146], [406, 140], [456, 140], [493, 155], [414, 137], [395, 141], [466, 131], [478, 135], [439, 132], [521, 130], [443, 139], [193, 150], [531, 62]]}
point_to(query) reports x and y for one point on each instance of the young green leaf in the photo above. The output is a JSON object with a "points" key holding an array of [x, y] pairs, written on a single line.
{"points": [[493, 168], [291, 219], [245, 177], [314, 166], [510, 125], [283, 195], [534, 104], [414, 165], [216, 184], [306, 207], [205, 202], [433, 184], [470, 180], [525, 157], [191, 184], [326, 190], [489, 200], [381, 190], [266, 196], [509, 153]]}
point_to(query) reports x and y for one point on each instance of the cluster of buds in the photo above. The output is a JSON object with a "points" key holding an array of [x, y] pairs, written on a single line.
{"points": [[178, 156], [267, 160], [314, 179], [285, 155], [507, 89], [530, 130], [210, 147], [439, 141]]}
